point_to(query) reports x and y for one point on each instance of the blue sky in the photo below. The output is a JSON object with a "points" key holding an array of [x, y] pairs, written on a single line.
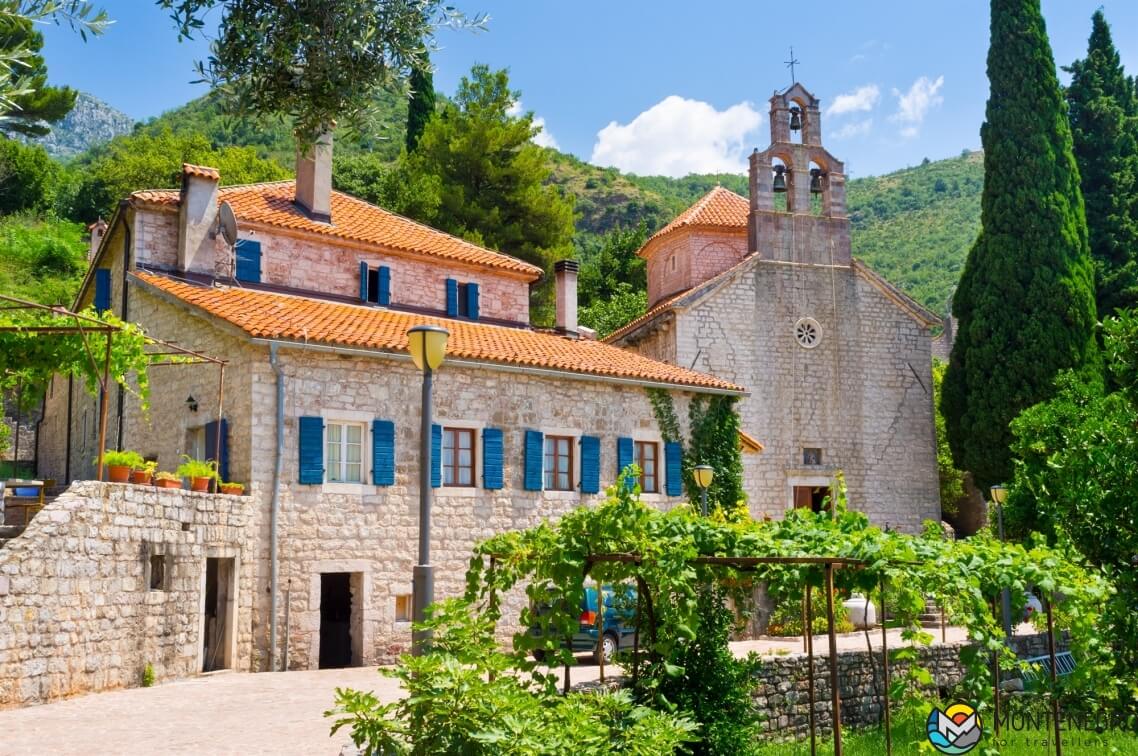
{"points": [[668, 86]]}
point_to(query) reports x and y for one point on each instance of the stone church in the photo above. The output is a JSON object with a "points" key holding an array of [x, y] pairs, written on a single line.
{"points": [[764, 292]]}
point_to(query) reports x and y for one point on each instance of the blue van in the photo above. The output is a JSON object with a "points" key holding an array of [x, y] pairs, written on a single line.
{"points": [[619, 624]]}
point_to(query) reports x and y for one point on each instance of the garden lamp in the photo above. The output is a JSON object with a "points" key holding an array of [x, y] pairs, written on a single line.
{"points": [[703, 476], [999, 496], [428, 346]]}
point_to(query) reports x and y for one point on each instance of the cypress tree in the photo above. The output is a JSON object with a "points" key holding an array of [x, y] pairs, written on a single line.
{"points": [[1025, 303], [422, 104], [1103, 111]]}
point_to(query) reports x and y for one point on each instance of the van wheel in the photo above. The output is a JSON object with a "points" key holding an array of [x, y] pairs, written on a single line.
{"points": [[606, 648]]}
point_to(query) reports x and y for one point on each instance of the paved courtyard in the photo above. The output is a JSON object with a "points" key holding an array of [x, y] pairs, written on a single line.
{"points": [[231, 713]]}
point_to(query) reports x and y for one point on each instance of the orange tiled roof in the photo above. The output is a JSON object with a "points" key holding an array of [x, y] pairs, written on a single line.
{"points": [[352, 220], [201, 171], [269, 315], [719, 207], [659, 307]]}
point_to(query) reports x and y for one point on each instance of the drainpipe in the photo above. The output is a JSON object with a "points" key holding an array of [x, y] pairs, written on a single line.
{"points": [[278, 465], [125, 312]]}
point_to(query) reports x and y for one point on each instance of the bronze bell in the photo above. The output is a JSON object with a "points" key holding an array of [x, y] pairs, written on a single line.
{"points": [[815, 180], [779, 184], [795, 119]]}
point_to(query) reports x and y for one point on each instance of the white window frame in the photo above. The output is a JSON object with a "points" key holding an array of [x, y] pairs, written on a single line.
{"points": [[349, 417], [574, 436], [660, 496]]}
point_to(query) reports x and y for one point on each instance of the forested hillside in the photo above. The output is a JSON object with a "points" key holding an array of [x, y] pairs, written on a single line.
{"points": [[914, 226]]}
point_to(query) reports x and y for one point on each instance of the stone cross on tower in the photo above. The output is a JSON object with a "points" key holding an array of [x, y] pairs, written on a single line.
{"points": [[813, 226]]}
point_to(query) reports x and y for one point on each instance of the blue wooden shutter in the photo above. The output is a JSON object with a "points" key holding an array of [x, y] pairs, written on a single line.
{"points": [[452, 298], [384, 285], [535, 453], [248, 260], [102, 289], [673, 469], [624, 458], [492, 458], [211, 452], [363, 281], [590, 464], [436, 456], [383, 452], [472, 301], [311, 445]]}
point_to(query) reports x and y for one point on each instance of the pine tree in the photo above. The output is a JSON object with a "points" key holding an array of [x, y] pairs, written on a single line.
{"points": [[38, 105], [422, 104], [1025, 303], [1103, 111]]}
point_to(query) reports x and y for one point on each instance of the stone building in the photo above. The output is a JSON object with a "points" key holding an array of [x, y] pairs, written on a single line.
{"points": [[764, 292], [321, 409]]}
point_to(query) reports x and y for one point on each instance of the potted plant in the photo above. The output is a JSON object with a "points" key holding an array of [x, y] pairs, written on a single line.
{"points": [[233, 489], [142, 474], [119, 464], [167, 480], [198, 471]]}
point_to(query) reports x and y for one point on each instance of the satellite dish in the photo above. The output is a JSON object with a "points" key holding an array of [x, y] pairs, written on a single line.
{"points": [[228, 222]]}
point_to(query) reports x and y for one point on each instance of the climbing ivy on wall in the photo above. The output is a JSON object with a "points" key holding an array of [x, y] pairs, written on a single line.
{"points": [[713, 425]]}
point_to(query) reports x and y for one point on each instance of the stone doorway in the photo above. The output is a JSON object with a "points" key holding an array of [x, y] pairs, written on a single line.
{"points": [[220, 606], [340, 620], [814, 498]]}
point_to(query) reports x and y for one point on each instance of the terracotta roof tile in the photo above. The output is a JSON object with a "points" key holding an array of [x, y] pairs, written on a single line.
{"points": [[352, 220], [719, 207], [200, 171], [270, 315], [660, 307]]}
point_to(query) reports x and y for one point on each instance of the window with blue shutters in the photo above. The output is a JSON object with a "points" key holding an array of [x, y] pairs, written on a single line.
{"points": [[383, 452], [470, 296], [211, 449], [436, 456], [673, 469], [624, 458], [590, 464], [248, 253], [492, 458], [535, 451], [102, 289], [311, 446], [375, 284], [463, 299]]}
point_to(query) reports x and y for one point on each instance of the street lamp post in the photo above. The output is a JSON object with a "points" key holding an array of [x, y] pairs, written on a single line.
{"points": [[999, 496], [428, 346], [703, 476]]}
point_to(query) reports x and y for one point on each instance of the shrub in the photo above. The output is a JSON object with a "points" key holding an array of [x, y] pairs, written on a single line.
{"points": [[787, 616], [148, 675]]}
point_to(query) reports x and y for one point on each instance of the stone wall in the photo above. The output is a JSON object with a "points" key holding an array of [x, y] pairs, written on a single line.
{"points": [[782, 696], [863, 394], [76, 607], [697, 255]]}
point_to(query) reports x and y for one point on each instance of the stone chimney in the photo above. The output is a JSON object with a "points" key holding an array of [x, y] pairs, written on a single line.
{"points": [[97, 230], [565, 272], [197, 215], [314, 179]]}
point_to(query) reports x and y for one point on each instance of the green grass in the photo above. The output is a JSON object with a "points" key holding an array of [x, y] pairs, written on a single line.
{"points": [[908, 735]]}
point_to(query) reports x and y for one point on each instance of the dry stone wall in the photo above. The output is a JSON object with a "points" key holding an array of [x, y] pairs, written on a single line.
{"points": [[76, 611]]}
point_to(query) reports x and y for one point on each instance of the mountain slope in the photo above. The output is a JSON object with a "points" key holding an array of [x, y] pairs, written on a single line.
{"points": [[90, 123]]}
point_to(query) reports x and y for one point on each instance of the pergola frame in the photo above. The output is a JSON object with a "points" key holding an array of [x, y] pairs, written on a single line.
{"points": [[828, 564], [86, 325]]}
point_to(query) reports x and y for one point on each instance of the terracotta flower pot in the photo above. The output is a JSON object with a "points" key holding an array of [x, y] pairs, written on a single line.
{"points": [[140, 477], [200, 485], [169, 484], [118, 473], [233, 490]]}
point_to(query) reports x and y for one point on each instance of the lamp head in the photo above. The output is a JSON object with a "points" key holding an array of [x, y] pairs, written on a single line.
{"points": [[428, 346], [999, 494], [703, 475]]}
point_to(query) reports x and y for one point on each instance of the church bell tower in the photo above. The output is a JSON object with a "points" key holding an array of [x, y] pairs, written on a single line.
{"points": [[797, 189]]}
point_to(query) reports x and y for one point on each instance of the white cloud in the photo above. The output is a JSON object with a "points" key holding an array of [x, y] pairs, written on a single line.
{"points": [[852, 129], [914, 105], [860, 100], [543, 138], [678, 136]]}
